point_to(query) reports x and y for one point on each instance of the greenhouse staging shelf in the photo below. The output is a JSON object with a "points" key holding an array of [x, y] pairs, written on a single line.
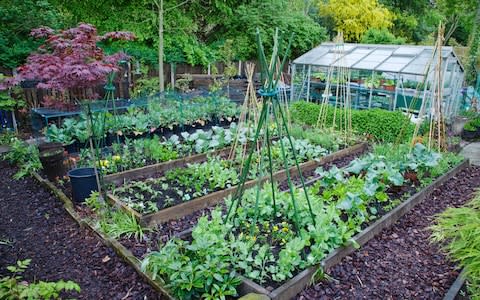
{"points": [[210, 199], [295, 285]]}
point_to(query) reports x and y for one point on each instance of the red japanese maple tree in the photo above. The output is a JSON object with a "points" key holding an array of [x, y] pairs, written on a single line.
{"points": [[71, 59]]}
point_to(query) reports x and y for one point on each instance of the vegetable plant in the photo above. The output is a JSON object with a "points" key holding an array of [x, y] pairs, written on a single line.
{"points": [[15, 287]]}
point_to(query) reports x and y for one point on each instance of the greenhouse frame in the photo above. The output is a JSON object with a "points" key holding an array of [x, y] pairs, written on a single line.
{"points": [[393, 77]]}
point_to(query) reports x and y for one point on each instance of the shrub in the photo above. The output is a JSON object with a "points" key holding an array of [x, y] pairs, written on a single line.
{"points": [[469, 126], [382, 125], [381, 36]]}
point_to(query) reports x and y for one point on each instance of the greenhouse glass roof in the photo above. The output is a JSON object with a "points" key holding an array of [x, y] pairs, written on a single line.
{"points": [[407, 59]]}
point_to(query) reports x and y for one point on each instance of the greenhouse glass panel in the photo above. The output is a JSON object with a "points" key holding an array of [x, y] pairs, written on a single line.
{"points": [[394, 64]]}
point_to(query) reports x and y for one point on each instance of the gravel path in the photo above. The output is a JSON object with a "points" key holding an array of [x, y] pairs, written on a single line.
{"points": [[36, 226], [401, 263]]}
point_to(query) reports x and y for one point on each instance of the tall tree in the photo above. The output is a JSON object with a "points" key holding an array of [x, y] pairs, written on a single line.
{"points": [[457, 14], [472, 63]]}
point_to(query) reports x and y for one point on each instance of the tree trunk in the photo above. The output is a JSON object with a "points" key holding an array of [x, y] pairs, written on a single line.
{"points": [[160, 46]]}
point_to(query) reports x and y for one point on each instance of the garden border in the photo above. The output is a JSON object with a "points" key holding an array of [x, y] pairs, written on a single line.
{"points": [[186, 208], [292, 287]]}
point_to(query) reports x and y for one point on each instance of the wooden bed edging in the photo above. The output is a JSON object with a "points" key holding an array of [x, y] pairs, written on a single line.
{"points": [[455, 287], [296, 284], [119, 249], [118, 178], [186, 208]]}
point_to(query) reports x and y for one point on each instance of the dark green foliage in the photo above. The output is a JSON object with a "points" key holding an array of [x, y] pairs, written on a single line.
{"points": [[18, 18], [26, 157], [382, 125], [268, 15], [381, 36], [196, 30]]}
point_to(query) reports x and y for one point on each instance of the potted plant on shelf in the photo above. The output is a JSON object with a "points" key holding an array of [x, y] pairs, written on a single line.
{"points": [[319, 76], [372, 82], [389, 85]]}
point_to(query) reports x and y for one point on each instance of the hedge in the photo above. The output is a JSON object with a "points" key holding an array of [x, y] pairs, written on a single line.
{"points": [[382, 125]]}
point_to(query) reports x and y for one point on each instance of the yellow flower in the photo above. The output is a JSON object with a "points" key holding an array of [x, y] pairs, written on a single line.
{"points": [[104, 163], [285, 229], [254, 238], [116, 158], [275, 228]]}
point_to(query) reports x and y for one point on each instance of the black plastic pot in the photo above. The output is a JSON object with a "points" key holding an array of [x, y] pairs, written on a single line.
{"points": [[52, 163], [72, 148], [470, 135], [83, 182]]}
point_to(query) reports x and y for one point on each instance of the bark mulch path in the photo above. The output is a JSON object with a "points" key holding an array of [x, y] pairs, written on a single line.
{"points": [[37, 227], [401, 263]]}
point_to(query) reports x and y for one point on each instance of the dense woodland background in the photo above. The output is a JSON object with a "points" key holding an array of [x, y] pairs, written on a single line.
{"points": [[200, 32]]}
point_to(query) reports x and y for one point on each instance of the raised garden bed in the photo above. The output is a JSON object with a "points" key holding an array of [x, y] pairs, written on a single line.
{"points": [[292, 287], [420, 160], [303, 277], [186, 208], [401, 262]]}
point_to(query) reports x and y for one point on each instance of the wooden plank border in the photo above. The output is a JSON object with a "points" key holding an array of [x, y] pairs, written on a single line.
{"points": [[119, 178], [186, 208], [119, 249], [455, 287], [296, 284]]}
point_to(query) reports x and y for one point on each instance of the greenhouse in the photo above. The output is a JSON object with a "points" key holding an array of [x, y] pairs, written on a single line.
{"points": [[386, 76]]}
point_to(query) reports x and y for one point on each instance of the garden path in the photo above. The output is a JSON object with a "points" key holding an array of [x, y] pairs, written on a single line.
{"points": [[34, 225], [472, 152]]}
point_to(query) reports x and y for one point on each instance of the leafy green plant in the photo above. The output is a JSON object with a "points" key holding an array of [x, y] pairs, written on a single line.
{"points": [[115, 223], [458, 232], [15, 287], [200, 269], [120, 224], [381, 125], [25, 156]]}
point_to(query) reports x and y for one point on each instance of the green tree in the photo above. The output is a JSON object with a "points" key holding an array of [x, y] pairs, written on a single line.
{"points": [[381, 36], [18, 18], [266, 16], [459, 17], [355, 17], [470, 69]]}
